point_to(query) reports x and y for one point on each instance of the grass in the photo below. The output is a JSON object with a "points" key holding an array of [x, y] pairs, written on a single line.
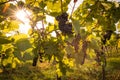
{"points": [[46, 71], [28, 72]]}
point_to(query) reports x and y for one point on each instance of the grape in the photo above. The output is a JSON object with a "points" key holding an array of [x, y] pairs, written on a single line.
{"points": [[117, 36], [64, 25], [65, 28], [107, 36], [62, 18], [40, 57], [35, 61]]}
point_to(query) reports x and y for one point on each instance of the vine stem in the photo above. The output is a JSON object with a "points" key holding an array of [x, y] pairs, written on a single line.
{"points": [[43, 15], [104, 64], [43, 25], [61, 6], [73, 9], [84, 49], [4, 2]]}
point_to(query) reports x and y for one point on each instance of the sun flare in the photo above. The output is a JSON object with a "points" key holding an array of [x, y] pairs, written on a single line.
{"points": [[23, 15]]}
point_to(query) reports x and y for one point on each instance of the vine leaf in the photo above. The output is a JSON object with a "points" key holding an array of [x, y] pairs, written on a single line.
{"points": [[4, 40], [76, 25], [6, 7], [23, 44]]}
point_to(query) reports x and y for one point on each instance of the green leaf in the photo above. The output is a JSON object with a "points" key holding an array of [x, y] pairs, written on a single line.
{"points": [[79, 58], [94, 42], [62, 67], [27, 56], [7, 61], [76, 25], [4, 40], [13, 25], [23, 44], [107, 5], [14, 65], [91, 54], [42, 4], [50, 28], [118, 26], [19, 36], [50, 47], [118, 44], [70, 51], [54, 14], [18, 55]]}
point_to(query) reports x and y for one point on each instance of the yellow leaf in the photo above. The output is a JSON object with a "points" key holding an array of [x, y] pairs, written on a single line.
{"points": [[118, 44], [6, 7], [13, 65]]}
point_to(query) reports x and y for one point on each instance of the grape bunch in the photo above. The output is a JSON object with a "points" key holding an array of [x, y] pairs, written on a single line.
{"points": [[64, 26], [107, 36]]}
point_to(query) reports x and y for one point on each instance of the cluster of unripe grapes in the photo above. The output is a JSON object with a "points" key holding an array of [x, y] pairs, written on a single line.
{"points": [[64, 25]]}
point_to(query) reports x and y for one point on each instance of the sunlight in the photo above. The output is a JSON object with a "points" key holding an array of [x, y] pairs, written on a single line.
{"points": [[23, 15], [24, 28], [50, 19], [53, 34], [14, 2]]}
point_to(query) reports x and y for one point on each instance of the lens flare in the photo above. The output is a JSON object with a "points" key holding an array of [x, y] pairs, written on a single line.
{"points": [[23, 15]]}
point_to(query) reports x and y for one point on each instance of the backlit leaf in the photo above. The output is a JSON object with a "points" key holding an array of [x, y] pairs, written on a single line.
{"points": [[4, 40], [23, 44]]}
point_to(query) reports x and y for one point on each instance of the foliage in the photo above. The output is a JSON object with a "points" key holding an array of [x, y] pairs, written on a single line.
{"points": [[87, 34]]}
